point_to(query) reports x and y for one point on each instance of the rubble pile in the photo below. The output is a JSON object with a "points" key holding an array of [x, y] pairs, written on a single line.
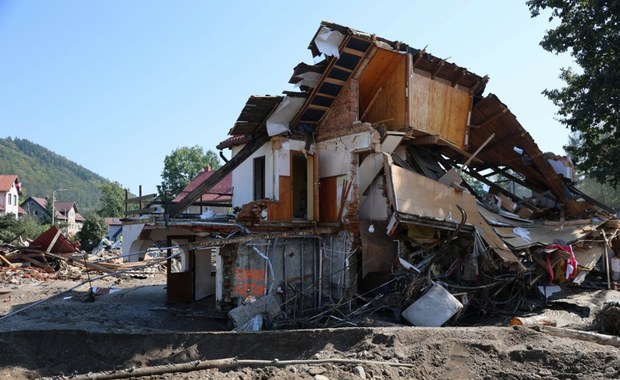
{"points": [[63, 260]]}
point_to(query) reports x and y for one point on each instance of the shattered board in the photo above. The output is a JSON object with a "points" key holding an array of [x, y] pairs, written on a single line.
{"points": [[523, 237], [414, 194]]}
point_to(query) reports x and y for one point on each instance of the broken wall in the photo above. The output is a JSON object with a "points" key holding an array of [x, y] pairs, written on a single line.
{"points": [[277, 155], [304, 271], [338, 172], [438, 108], [342, 114]]}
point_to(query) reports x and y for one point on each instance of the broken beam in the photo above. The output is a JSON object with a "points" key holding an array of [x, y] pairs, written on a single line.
{"points": [[233, 163], [258, 236]]}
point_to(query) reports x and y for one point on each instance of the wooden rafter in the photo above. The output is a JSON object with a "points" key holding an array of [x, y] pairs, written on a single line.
{"points": [[437, 67], [492, 118], [418, 58], [459, 75]]}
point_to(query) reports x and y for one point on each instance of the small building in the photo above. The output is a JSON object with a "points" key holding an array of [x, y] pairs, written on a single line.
{"points": [[67, 211], [36, 207], [10, 189], [115, 229]]}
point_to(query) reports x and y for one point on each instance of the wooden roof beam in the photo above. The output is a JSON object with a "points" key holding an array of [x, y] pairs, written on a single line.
{"points": [[458, 77], [492, 118], [481, 83], [418, 58], [437, 68], [358, 53], [335, 81]]}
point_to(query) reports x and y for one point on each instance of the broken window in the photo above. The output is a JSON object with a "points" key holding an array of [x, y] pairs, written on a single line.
{"points": [[259, 178]]}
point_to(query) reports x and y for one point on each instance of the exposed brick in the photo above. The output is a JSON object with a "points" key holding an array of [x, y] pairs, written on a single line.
{"points": [[343, 113]]}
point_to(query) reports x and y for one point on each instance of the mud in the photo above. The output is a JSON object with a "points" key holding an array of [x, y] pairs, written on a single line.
{"points": [[134, 327]]}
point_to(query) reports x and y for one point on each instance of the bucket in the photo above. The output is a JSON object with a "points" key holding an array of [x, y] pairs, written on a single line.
{"points": [[433, 309]]}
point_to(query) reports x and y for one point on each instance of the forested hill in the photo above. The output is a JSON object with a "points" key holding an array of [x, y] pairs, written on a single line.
{"points": [[42, 171]]}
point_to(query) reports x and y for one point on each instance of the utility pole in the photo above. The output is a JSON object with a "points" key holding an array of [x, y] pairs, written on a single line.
{"points": [[54, 201]]}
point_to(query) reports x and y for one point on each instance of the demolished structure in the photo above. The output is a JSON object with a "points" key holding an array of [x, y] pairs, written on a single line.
{"points": [[388, 182]]}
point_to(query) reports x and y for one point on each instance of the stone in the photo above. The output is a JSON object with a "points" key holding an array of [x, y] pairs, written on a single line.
{"points": [[359, 371]]}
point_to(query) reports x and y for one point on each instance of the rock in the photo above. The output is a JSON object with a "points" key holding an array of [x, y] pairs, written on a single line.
{"points": [[545, 372], [610, 371], [359, 371], [316, 370], [320, 377]]}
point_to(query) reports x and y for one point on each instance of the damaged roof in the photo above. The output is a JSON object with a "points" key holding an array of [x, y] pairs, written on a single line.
{"points": [[221, 192]]}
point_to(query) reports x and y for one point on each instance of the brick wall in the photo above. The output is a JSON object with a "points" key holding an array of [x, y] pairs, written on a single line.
{"points": [[342, 114]]}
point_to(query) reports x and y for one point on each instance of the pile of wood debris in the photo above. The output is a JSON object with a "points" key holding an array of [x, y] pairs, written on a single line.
{"points": [[52, 256]]}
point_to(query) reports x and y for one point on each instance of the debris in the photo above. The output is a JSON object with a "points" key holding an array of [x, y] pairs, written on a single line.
{"points": [[607, 320], [581, 335], [536, 320], [433, 309], [267, 306], [224, 363]]}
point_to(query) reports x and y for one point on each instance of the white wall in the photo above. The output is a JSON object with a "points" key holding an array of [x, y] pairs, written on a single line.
{"points": [[336, 154], [374, 206], [277, 163], [11, 207]]}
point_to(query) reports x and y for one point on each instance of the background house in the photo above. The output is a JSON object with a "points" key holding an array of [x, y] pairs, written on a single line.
{"points": [[67, 211], [35, 207], [215, 201], [115, 229], [10, 188]]}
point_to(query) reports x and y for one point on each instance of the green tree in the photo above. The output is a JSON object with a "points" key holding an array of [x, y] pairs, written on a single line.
{"points": [[93, 230], [602, 192], [590, 102], [26, 227], [181, 166], [112, 200]]}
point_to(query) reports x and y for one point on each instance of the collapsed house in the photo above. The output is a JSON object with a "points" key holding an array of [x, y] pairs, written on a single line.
{"points": [[386, 178]]}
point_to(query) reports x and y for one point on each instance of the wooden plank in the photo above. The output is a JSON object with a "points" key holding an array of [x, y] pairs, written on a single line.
{"points": [[328, 195], [372, 101], [147, 210], [335, 81], [439, 109], [358, 53], [386, 71], [317, 107], [4, 260], [53, 242], [148, 197], [282, 210], [37, 263], [343, 69], [414, 194], [316, 202]]}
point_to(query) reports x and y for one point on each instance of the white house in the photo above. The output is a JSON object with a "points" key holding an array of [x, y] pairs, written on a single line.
{"points": [[10, 188]]}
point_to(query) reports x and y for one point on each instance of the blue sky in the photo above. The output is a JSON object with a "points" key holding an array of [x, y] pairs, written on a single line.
{"points": [[117, 85]]}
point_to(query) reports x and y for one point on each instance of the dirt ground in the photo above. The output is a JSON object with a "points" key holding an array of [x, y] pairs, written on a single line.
{"points": [[133, 328]]}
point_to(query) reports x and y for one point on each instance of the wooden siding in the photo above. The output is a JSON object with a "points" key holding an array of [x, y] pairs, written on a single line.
{"points": [[328, 194], [439, 109], [282, 210], [382, 90]]}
